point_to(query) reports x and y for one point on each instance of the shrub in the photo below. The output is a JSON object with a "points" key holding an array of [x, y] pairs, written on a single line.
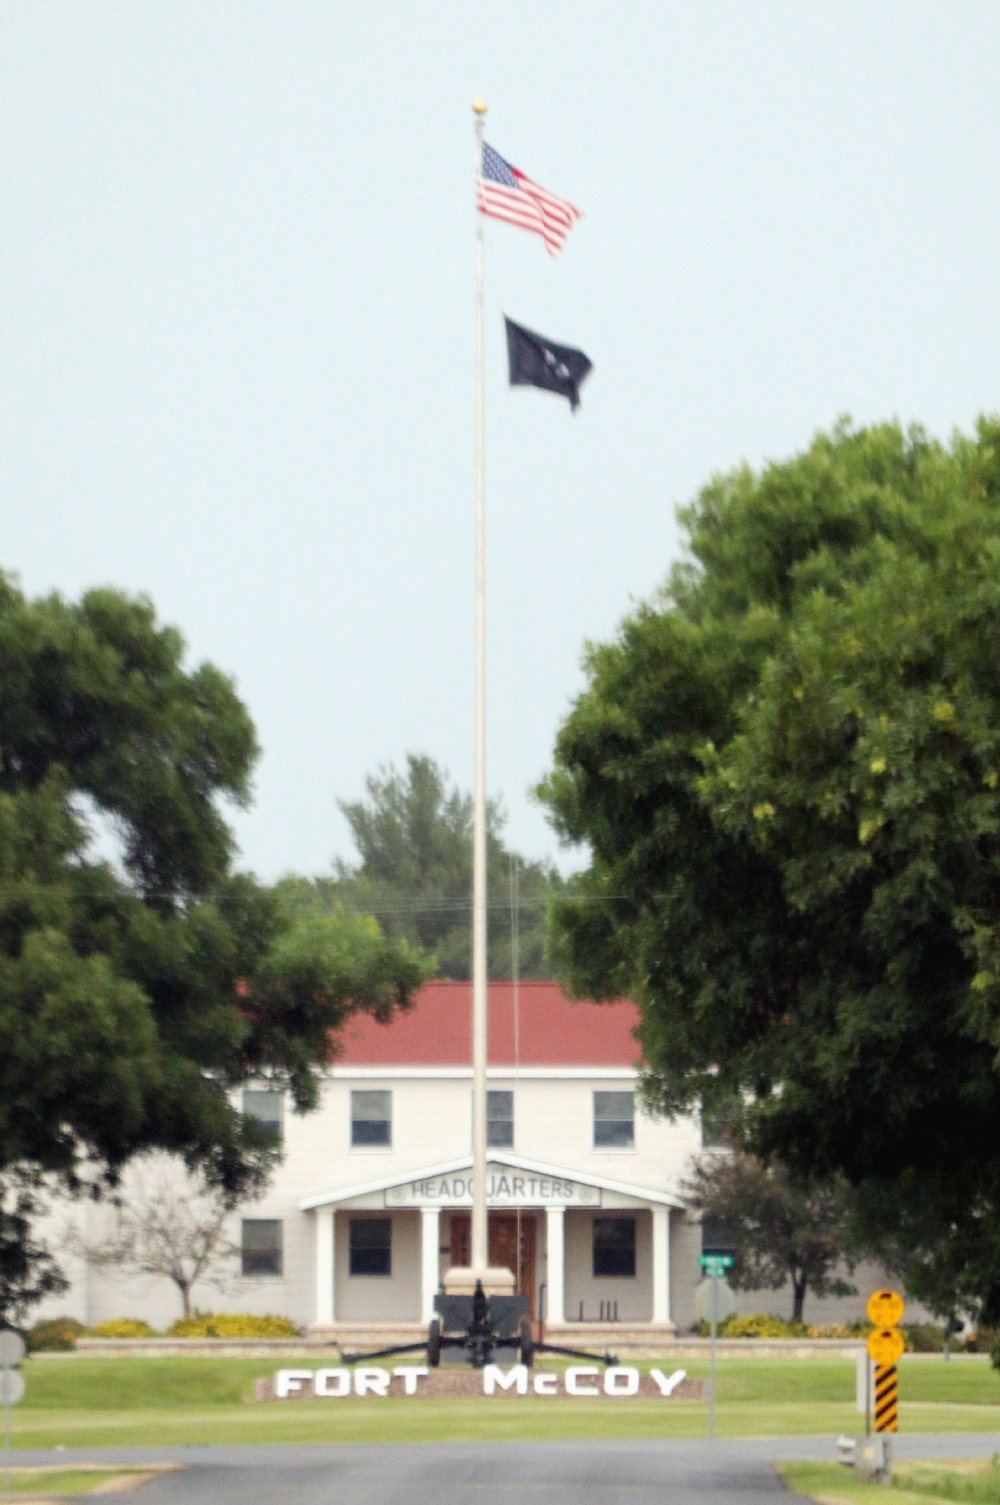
{"points": [[121, 1327], [56, 1335], [761, 1325], [923, 1337], [978, 1340], [232, 1325]]}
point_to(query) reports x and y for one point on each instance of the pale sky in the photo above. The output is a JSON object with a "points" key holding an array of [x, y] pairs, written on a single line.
{"points": [[236, 324]]}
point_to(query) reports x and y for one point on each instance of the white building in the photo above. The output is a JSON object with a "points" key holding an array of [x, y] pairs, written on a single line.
{"points": [[372, 1201]]}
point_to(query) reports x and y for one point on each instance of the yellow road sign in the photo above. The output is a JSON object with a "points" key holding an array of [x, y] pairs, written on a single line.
{"points": [[885, 1308], [885, 1346], [886, 1398]]}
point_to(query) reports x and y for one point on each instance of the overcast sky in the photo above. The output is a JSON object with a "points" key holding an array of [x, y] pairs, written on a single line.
{"points": [[236, 298]]}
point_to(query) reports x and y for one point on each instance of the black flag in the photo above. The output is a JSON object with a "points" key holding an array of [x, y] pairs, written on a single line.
{"points": [[536, 362]]}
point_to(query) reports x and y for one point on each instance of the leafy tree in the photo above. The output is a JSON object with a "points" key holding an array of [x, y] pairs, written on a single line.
{"points": [[784, 1228], [788, 771], [414, 837], [173, 1224], [136, 993], [28, 1272]]}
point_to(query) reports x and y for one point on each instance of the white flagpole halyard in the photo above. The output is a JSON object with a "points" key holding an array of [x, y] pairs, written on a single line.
{"points": [[480, 1234]]}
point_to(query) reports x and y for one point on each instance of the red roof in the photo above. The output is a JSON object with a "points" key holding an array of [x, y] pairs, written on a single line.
{"points": [[551, 1030]]}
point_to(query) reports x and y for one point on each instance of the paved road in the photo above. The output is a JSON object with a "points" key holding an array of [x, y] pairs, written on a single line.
{"points": [[672, 1472]]}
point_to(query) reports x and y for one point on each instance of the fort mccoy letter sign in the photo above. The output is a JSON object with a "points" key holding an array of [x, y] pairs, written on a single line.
{"points": [[582, 1380]]}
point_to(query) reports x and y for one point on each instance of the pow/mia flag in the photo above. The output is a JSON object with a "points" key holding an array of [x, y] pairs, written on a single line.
{"points": [[535, 361]]}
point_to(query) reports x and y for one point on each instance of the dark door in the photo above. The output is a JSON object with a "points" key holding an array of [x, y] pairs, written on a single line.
{"points": [[504, 1238]]}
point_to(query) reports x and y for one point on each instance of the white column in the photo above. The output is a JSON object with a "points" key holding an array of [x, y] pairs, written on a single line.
{"points": [[661, 1264], [430, 1269], [555, 1264], [324, 1266]]}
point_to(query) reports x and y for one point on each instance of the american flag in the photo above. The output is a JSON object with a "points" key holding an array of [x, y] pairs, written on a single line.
{"points": [[504, 193]]}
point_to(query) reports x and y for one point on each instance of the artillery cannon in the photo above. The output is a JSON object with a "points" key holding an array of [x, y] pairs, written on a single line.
{"points": [[485, 1328]]}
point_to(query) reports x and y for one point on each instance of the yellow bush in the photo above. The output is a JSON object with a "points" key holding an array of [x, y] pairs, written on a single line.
{"points": [[232, 1325], [121, 1327], [761, 1325]]}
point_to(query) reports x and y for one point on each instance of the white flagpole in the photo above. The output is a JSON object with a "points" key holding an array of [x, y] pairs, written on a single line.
{"points": [[480, 1233]]}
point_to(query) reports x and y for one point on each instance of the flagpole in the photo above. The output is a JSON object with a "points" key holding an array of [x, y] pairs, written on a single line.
{"points": [[480, 1230]]}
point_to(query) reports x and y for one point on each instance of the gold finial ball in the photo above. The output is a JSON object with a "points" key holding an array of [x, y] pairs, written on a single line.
{"points": [[479, 105]]}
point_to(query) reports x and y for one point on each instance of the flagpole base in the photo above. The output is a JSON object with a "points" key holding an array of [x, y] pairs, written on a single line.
{"points": [[461, 1280]]}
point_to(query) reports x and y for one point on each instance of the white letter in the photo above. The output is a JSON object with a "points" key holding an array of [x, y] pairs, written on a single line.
{"points": [[626, 1373], [575, 1373], [335, 1382], [376, 1380], [410, 1374], [667, 1386], [517, 1377], [545, 1384], [290, 1379]]}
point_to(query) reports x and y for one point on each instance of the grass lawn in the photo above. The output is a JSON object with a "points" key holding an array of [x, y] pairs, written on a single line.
{"points": [[45, 1482], [108, 1402], [938, 1483]]}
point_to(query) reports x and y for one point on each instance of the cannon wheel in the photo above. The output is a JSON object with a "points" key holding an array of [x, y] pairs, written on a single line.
{"points": [[527, 1342], [434, 1344]]}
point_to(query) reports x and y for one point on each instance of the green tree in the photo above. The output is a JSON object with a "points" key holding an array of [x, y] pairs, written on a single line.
{"points": [[136, 993], [787, 769], [784, 1229], [414, 838]]}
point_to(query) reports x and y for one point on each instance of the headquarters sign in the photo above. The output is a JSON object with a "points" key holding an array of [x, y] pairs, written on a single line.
{"points": [[504, 1188]]}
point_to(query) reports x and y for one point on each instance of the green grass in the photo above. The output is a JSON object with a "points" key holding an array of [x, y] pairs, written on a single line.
{"points": [[64, 1481], [119, 1402], [939, 1483]]}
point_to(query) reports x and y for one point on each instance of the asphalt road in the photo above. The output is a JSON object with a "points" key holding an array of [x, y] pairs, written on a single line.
{"points": [[673, 1472]]}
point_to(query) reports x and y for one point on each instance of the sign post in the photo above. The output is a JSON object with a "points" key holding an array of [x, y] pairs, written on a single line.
{"points": [[12, 1351], [884, 1347], [710, 1298]]}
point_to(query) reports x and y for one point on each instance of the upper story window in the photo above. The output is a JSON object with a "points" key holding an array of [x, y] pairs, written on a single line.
{"points": [[614, 1246], [371, 1119], [614, 1120], [500, 1120], [261, 1251], [719, 1119], [267, 1106]]}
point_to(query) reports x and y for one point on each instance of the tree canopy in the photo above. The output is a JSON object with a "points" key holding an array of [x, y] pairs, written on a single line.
{"points": [[413, 834], [138, 989], [784, 1229], [787, 768]]}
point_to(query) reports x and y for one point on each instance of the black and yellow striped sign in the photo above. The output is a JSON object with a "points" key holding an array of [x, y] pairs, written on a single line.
{"points": [[886, 1398]]}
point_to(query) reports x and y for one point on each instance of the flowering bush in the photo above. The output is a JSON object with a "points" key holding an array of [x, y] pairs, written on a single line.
{"points": [[121, 1327], [57, 1335], [757, 1325], [761, 1325], [232, 1325]]}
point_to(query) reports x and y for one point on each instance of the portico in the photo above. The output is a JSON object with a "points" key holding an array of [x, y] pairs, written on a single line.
{"points": [[583, 1246]]}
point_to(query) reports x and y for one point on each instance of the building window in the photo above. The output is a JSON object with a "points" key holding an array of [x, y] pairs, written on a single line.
{"points": [[261, 1246], [717, 1124], [267, 1107], [614, 1246], [614, 1120], [717, 1236], [371, 1119], [371, 1246], [500, 1120]]}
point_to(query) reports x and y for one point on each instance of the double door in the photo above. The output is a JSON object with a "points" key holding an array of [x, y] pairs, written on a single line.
{"points": [[511, 1246]]}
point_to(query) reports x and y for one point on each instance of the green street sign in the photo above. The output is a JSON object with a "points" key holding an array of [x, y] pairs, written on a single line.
{"points": [[714, 1264]]}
